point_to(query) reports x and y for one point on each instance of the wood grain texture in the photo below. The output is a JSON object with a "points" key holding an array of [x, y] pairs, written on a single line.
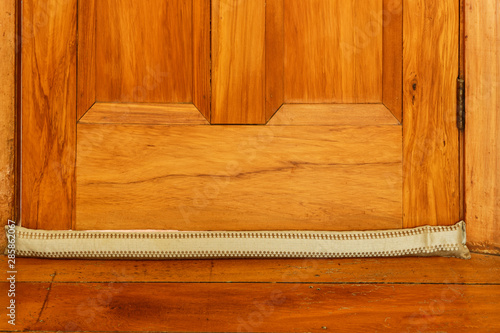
{"points": [[260, 295], [275, 56], [431, 148], [450, 294], [238, 61], [333, 115], [49, 113], [144, 113], [202, 56], [461, 139], [328, 177], [87, 17], [7, 109], [392, 73], [32, 296], [333, 60], [367, 50], [3, 241], [481, 269], [144, 51], [482, 134], [229, 307]]}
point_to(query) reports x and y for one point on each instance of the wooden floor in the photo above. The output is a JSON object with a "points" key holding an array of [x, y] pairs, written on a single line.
{"points": [[351, 295]]}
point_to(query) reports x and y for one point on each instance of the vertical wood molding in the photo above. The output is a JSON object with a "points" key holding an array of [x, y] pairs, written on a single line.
{"points": [[49, 113], [201, 56], [393, 57], [275, 57], [86, 56], [7, 109], [482, 133], [431, 146]]}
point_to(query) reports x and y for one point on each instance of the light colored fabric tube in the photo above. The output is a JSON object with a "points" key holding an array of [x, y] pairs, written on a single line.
{"points": [[423, 241]]}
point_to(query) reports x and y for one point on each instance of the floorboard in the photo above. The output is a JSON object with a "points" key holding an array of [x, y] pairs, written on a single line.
{"points": [[351, 295], [235, 307], [481, 269]]}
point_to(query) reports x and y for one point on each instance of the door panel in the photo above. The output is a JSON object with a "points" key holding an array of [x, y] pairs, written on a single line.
{"points": [[238, 39], [333, 51], [144, 51], [291, 176]]}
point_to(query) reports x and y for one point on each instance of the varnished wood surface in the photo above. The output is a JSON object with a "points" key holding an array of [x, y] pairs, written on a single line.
{"points": [[7, 109], [32, 296], [239, 177], [49, 113], [144, 51], [482, 269], [87, 17], [393, 57], [333, 60], [202, 56], [432, 191], [483, 125], [289, 114], [333, 115], [275, 56], [351, 295], [144, 114], [261, 307], [238, 61], [431, 147]]}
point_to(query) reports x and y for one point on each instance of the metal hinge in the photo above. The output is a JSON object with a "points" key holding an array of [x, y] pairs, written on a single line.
{"points": [[461, 104]]}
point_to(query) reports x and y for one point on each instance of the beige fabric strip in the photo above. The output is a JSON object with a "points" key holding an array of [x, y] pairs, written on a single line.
{"points": [[447, 241]]}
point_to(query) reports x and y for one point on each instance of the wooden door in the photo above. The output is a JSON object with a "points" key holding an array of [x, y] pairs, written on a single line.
{"points": [[239, 114]]}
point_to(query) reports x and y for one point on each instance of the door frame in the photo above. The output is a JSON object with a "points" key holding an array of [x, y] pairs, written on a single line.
{"points": [[424, 106]]}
